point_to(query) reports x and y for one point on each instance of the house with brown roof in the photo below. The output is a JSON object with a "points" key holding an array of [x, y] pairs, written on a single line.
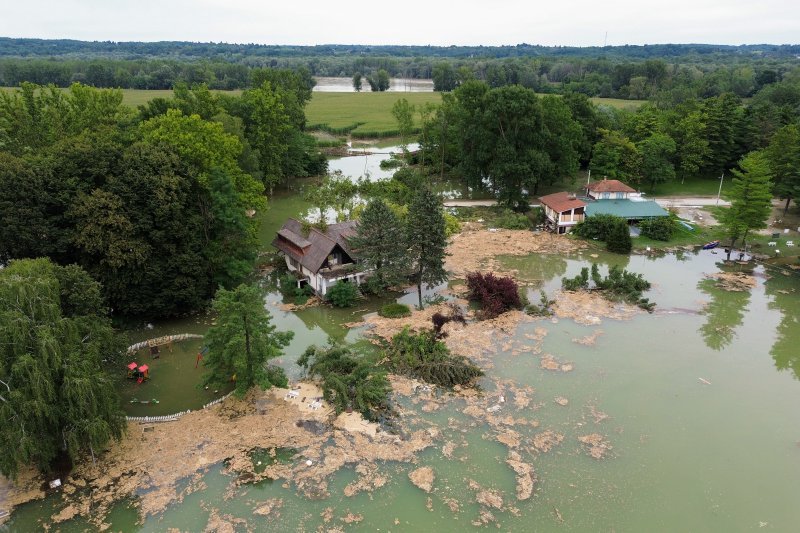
{"points": [[562, 210], [610, 190], [319, 258]]}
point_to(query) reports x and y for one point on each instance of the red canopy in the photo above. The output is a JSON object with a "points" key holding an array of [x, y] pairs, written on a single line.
{"points": [[132, 366], [144, 368]]}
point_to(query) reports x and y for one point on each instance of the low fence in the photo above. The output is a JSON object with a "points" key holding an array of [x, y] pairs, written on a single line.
{"points": [[159, 341], [175, 416]]}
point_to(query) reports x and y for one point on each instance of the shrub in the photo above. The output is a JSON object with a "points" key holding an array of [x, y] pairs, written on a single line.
{"points": [[451, 225], [581, 281], [660, 229], [422, 356], [508, 219], [597, 227], [391, 162], [544, 307], [495, 294], [395, 310], [619, 238], [343, 294], [618, 285]]}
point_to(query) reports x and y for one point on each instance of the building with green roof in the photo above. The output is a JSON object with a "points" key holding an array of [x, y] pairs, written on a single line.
{"points": [[631, 210]]}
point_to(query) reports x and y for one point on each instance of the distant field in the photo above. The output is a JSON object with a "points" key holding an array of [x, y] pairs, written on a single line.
{"points": [[365, 114]]}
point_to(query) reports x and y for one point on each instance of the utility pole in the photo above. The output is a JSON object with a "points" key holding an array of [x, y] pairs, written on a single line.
{"points": [[721, 179]]}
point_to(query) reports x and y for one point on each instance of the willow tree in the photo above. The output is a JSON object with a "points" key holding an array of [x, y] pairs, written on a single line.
{"points": [[242, 342], [55, 397]]}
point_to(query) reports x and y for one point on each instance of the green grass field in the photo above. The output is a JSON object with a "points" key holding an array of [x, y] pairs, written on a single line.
{"points": [[363, 114]]}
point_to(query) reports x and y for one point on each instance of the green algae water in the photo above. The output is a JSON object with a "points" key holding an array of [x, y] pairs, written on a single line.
{"points": [[685, 455]]}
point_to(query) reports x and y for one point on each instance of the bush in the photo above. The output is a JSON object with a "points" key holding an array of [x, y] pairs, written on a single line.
{"points": [[619, 238], [451, 225], [422, 356], [618, 285], [544, 307], [660, 229], [597, 227], [343, 294], [581, 281], [508, 219], [495, 294], [395, 310], [391, 162]]}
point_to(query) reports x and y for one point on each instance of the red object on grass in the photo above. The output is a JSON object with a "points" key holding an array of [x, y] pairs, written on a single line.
{"points": [[132, 366]]}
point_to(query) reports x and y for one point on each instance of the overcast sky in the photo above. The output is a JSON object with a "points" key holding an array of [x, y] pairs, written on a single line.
{"points": [[457, 22]]}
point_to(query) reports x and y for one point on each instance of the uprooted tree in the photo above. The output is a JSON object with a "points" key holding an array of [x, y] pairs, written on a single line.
{"points": [[422, 356], [349, 380]]}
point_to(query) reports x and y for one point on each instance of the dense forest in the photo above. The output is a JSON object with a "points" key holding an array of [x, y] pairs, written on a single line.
{"points": [[631, 72], [152, 203]]}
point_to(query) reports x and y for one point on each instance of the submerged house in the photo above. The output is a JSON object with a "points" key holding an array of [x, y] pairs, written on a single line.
{"points": [[319, 259], [562, 211]]}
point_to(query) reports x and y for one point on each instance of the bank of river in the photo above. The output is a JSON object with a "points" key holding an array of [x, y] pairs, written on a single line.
{"points": [[685, 455]]}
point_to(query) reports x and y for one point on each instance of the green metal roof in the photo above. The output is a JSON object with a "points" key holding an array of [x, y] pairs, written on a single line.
{"points": [[628, 209]]}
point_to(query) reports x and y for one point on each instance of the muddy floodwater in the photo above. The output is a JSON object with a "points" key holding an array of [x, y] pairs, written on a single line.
{"points": [[345, 85], [693, 408]]}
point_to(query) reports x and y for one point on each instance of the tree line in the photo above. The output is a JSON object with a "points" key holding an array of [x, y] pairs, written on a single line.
{"points": [[630, 72], [512, 141]]}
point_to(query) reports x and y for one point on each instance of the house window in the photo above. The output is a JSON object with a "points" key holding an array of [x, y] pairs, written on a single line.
{"points": [[620, 195]]}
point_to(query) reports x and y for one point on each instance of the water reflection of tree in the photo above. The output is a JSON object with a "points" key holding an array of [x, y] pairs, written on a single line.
{"points": [[785, 350], [724, 313]]}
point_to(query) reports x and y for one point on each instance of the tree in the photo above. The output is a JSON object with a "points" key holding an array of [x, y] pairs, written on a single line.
{"points": [[784, 158], [379, 82], [751, 199], [656, 159], [243, 341], [403, 113], [691, 144], [357, 81], [616, 157], [426, 240], [349, 380], [513, 140], [380, 245], [444, 77], [619, 238], [55, 397]]}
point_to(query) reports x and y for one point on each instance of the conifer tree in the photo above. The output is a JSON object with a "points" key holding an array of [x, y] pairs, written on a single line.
{"points": [[380, 244], [425, 232], [242, 342], [751, 199]]}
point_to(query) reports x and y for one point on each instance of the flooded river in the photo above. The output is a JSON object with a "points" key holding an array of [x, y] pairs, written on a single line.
{"points": [[719, 453]]}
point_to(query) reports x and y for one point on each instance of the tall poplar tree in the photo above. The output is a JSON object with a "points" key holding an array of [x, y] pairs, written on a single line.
{"points": [[784, 158], [426, 239], [243, 341], [55, 397]]}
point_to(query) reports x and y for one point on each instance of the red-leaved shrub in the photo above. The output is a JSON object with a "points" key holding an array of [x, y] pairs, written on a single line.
{"points": [[495, 294]]}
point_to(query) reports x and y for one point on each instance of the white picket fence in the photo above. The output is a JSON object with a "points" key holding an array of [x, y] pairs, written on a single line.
{"points": [[173, 417], [162, 340]]}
